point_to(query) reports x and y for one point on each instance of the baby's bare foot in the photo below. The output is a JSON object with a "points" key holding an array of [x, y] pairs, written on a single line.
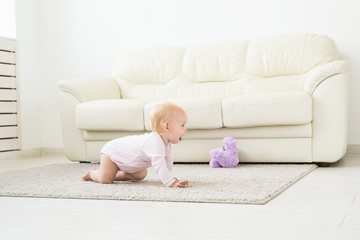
{"points": [[87, 176]]}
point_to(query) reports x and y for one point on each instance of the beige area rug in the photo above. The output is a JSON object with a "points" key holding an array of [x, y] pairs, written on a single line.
{"points": [[246, 184]]}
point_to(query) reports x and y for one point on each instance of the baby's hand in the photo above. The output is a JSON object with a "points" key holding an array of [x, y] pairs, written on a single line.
{"points": [[180, 183]]}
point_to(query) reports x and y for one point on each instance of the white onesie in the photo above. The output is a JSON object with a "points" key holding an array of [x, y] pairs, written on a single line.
{"points": [[138, 152]]}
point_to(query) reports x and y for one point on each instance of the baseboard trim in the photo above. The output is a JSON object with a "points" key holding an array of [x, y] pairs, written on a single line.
{"points": [[52, 151], [353, 149], [29, 153]]}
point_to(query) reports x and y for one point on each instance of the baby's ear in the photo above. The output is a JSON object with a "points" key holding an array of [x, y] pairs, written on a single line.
{"points": [[166, 126]]}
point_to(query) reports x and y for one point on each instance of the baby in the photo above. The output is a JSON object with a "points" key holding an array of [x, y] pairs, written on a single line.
{"points": [[128, 158]]}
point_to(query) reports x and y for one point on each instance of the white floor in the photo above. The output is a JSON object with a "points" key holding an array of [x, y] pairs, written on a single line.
{"points": [[323, 205]]}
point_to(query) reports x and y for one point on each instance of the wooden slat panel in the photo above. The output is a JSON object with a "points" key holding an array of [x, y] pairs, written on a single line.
{"points": [[7, 70], [8, 119], [8, 107], [7, 57], [9, 144], [9, 129], [8, 132], [7, 82], [8, 95], [7, 44]]}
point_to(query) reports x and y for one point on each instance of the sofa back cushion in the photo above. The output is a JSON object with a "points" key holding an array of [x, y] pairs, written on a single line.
{"points": [[148, 72], [289, 54], [214, 70], [215, 62], [156, 65]]}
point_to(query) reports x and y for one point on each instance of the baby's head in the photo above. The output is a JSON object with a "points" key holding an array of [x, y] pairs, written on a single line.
{"points": [[165, 112]]}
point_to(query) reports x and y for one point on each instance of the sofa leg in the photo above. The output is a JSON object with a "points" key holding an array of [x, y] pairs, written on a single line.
{"points": [[323, 164]]}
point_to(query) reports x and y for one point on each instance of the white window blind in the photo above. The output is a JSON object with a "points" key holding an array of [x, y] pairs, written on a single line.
{"points": [[9, 104]]}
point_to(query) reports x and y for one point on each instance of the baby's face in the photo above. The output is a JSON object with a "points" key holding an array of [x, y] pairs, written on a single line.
{"points": [[177, 127]]}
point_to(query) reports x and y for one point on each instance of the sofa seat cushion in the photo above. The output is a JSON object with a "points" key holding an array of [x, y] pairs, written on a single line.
{"points": [[278, 108], [111, 114], [202, 112]]}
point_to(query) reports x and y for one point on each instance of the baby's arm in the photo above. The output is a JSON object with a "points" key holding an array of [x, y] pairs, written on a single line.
{"points": [[180, 183]]}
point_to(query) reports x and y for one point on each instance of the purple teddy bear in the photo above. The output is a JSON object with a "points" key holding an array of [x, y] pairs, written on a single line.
{"points": [[226, 157]]}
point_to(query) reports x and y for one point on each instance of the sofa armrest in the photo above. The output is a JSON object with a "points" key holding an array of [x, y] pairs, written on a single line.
{"points": [[87, 89], [318, 74], [330, 102]]}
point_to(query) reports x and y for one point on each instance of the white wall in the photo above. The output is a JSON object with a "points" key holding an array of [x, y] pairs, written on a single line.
{"points": [[28, 73], [72, 38], [7, 19]]}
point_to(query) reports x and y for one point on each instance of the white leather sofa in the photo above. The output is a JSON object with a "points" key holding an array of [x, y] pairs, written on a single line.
{"points": [[283, 98]]}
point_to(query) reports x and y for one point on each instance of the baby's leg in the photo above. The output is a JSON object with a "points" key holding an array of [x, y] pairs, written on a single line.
{"points": [[122, 176], [106, 173], [87, 177]]}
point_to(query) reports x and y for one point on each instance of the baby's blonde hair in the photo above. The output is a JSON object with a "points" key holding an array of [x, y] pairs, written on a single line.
{"points": [[163, 112]]}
